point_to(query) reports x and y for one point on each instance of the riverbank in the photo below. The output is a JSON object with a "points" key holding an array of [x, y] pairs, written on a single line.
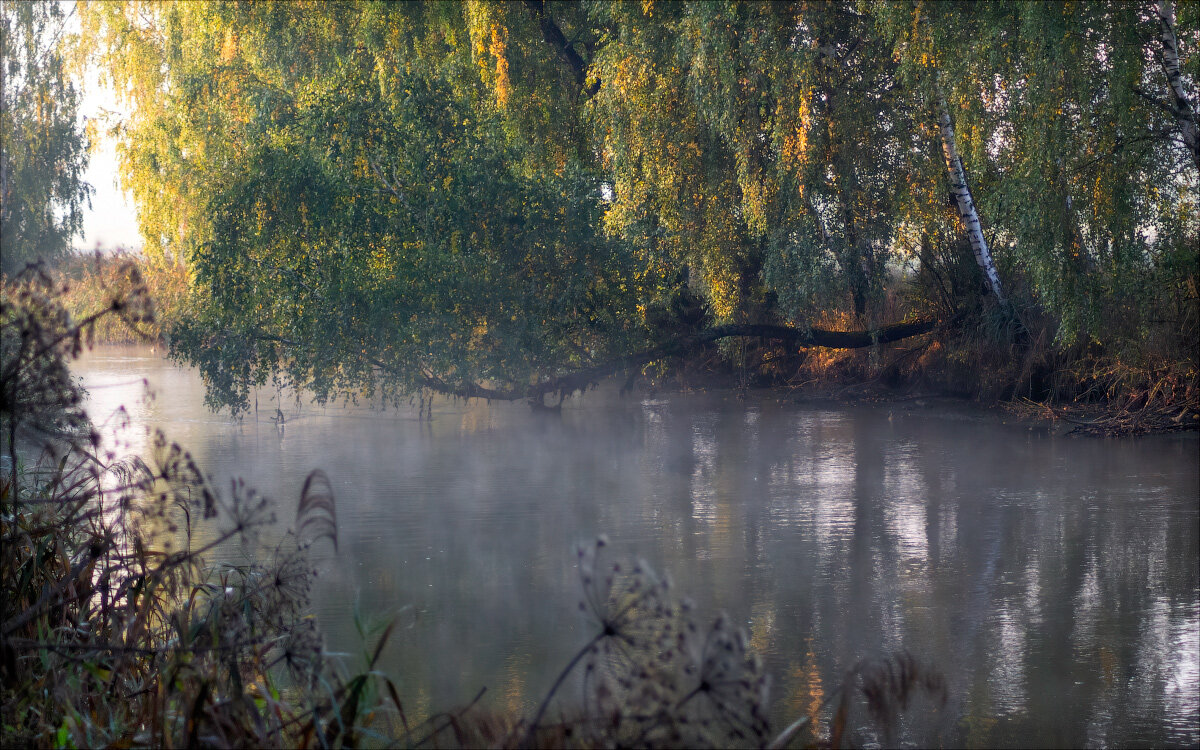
{"points": [[1109, 401], [1142, 388]]}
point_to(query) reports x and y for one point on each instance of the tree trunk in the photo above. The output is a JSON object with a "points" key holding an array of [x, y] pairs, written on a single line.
{"points": [[850, 258], [581, 379], [1076, 253], [554, 37], [966, 205], [852, 262], [1185, 113]]}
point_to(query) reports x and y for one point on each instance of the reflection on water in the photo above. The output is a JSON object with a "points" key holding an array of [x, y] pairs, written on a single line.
{"points": [[1053, 580]]}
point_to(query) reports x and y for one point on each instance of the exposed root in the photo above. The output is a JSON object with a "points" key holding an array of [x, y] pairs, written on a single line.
{"points": [[1140, 413]]}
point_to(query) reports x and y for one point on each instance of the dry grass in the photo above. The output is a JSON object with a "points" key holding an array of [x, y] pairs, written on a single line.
{"points": [[89, 282]]}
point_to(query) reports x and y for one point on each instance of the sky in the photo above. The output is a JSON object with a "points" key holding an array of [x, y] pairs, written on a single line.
{"points": [[111, 222]]}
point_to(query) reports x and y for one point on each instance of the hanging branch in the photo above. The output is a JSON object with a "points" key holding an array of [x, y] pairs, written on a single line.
{"points": [[555, 38]]}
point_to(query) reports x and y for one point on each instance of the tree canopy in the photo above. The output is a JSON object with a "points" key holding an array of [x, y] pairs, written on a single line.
{"points": [[382, 197], [43, 148]]}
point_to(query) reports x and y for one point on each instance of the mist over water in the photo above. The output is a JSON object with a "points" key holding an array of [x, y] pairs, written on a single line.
{"points": [[1053, 580]]}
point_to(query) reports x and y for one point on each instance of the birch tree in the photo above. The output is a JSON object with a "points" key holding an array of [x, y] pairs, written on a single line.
{"points": [[1086, 192], [1182, 105], [957, 176]]}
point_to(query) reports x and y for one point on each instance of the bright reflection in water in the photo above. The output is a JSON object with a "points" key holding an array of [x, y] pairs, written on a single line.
{"points": [[1054, 580]]}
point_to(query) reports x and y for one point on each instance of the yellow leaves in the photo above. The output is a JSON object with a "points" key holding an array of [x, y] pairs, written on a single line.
{"points": [[362, 167], [229, 48], [498, 50], [723, 290], [795, 140], [755, 196]]}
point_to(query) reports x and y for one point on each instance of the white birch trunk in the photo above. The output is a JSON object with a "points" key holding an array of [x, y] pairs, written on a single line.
{"points": [[1185, 113], [966, 205]]}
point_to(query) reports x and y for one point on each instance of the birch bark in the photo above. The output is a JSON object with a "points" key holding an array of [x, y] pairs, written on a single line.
{"points": [[1185, 113], [966, 205]]}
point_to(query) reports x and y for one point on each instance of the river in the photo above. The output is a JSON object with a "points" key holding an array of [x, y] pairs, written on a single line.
{"points": [[1053, 580]]}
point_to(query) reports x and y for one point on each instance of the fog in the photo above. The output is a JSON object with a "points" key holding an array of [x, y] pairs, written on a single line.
{"points": [[1052, 579]]}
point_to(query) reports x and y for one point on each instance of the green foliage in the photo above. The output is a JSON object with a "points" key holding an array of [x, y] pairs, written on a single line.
{"points": [[759, 143], [383, 197], [367, 227], [43, 149]]}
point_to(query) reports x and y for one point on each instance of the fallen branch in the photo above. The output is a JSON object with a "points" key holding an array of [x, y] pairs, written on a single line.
{"points": [[582, 379], [1117, 419], [801, 337]]}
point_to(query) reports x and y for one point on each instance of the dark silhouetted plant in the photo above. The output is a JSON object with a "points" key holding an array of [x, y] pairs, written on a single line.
{"points": [[116, 631]]}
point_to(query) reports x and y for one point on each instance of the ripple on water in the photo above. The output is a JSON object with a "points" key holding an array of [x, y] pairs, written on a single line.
{"points": [[1053, 580]]}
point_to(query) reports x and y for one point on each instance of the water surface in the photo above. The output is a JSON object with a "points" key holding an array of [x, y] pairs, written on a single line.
{"points": [[1052, 579]]}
